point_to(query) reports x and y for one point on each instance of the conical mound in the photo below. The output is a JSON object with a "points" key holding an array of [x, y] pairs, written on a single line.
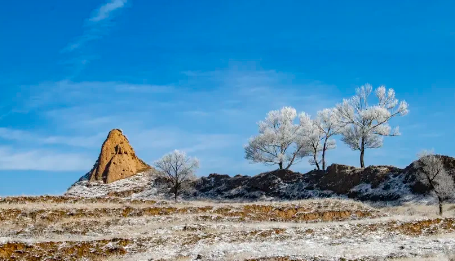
{"points": [[117, 160]]}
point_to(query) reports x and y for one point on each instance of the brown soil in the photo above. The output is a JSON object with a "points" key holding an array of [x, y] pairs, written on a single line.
{"points": [[66, 250], [247, 213], [70, 200]]}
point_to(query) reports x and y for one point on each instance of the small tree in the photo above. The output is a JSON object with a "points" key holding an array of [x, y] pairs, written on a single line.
{"points": [[178, 168], [365, 125], [317, 135], [278, 141], [311, 136], [431, 172]]}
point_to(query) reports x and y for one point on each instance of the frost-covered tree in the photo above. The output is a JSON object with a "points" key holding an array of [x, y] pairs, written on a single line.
{"points": [[431, 172], [365, 125], [328, 123], [178, 168], [279, 141], [318, 133], [311, 136]]}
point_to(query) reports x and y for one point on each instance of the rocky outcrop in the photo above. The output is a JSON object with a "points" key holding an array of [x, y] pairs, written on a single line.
{"points": [[117, 160], [277, 184], [341, 178], [374, 183]]}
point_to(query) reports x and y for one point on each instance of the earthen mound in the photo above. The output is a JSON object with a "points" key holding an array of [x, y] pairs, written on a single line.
{"points": [[117, 160]]}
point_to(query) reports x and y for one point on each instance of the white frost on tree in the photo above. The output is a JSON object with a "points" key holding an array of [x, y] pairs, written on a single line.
{"points": [[365, 125], [178, 168], [279, 141], [431, 172], [317, 135], [311, 136]]}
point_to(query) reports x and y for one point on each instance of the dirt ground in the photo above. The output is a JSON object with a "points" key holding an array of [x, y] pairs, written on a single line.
{"points": [[65, 228]]}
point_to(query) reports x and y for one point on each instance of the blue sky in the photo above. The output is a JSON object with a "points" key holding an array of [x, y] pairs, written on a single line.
{"points": [[198, 75]]}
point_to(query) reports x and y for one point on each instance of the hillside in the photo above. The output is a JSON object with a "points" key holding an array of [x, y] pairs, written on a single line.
{"points": [[374, 183]]}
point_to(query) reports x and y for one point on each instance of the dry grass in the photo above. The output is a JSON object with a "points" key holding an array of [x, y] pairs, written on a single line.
{"points": [[420, 210], [72, 229], [440, 257]]}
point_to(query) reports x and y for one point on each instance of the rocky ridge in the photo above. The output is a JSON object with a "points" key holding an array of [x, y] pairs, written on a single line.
{"points": [[374, 183], [118, 172]]}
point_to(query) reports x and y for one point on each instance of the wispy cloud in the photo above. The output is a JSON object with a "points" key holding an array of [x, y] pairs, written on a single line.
{"points": [[70, 93], [96, 26], [208, 114], [107, 9], [196, 113], [431, 135], [212, 142], [142, 88], [39, 159], [31, 138], [262, 89], [176, 138]]}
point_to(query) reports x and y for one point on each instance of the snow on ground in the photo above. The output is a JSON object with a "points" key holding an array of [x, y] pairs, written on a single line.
{"points": [[324, 229], [84, 188], [145, 186], [316, 229]]}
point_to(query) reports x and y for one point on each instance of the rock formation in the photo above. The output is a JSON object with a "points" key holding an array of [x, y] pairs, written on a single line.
{"points": [[117, 160], [373, 183]]}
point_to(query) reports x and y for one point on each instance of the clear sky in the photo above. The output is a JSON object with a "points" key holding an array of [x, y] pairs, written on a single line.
{"points": [[198, 75]]}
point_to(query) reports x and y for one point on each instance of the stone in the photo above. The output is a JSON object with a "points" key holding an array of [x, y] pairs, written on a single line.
{"points": [[117, 160]]}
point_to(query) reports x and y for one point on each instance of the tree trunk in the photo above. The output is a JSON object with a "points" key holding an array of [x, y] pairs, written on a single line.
{"points": [[362, 153], [323, 153], [281, 165], [176, 192], [315, 157], [440, 205]]}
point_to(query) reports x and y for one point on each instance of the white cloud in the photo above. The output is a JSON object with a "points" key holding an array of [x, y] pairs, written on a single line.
{"points": [[28, 137], [76, 141], [150, 143], [205, 142], [167, 139], [261, 89], [141, 88], [18, 135], [96, 27], [43, 160], [107, 9], [436, 134], [224, 109], [196, 113], [231, 112], [90, 92]]}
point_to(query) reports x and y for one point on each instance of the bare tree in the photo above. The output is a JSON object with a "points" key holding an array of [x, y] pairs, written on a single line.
{"points": [[178, 168], [431, 172], [366, 125]]}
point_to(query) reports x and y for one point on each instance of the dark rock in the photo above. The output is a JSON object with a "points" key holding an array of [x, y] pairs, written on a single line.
{"points": [[374, 183]]}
